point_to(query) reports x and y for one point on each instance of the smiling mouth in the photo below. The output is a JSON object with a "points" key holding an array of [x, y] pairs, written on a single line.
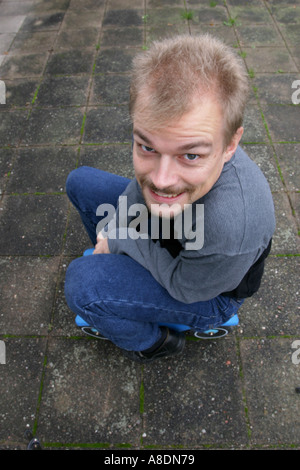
{"points": [[162, 194]]}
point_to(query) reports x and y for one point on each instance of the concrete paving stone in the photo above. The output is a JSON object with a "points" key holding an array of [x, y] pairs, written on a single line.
{"points": [[286, 239], [115, 159], [7, 157], [269, 60], [41, 169], [250, 14], [32, 225], [165, 16], [282, 121], [119, 4], [123, 17], [113, 60], [50, 6], [274, 310], [28, 285], [195, 399], [76, 39], [110, 90], [82, 19], [107, 124], [236, 3], [23, 65], [9, 8], [11, 24], [90, 394], [263, 156], [20, 92], [63, 319], [253, 126], [220, 31], [287, 14], [295, 201], [53, 126], [291, 34], [5, 41], [208, 15], [164, 3], [12, 125], [87, 5], [43, 22], [131, 36], [258, 35], [20, 387], [275, 88], [63, 91], [76, 238], [154, 33], [295, 53], [33, 42], [74, 61], [288, 158], [270, 381]]}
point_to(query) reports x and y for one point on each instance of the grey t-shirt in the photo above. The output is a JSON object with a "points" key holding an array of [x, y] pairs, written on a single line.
{"points": [[239, 222]]}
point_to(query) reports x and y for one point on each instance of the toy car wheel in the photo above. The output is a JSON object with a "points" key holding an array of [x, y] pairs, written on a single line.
{"points": [[214, 333]]}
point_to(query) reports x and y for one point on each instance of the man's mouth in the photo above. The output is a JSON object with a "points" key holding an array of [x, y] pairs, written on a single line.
{"points": [[161, 196]]}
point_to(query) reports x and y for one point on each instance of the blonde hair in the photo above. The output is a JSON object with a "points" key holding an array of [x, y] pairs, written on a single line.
{"points": [[168, 77]]}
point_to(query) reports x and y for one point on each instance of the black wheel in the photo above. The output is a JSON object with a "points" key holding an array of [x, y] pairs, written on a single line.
{"points": [[92, 332]]}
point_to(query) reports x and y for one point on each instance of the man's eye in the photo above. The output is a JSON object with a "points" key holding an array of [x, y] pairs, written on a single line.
{"points": [[147, 149], [190, 157]]}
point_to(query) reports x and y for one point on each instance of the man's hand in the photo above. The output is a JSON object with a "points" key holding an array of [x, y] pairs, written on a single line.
{"points": [[101, 246]]}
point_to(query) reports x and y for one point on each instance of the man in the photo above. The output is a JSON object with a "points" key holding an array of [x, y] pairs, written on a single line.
{"points": [[187, 101]]}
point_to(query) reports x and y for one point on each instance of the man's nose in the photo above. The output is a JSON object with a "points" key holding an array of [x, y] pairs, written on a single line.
{"points": [[164, 174]]}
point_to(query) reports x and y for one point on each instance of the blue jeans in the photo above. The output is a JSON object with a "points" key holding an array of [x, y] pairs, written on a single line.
{"points": [[115, 294]]}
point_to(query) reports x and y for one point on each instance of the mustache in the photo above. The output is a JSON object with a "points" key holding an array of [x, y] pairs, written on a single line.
{"points": [[169, 190]]}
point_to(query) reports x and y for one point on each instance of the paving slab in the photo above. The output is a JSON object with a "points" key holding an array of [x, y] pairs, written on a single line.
{"points": [[199, 405], [83, 382], [25, 65], [271, 390], [114, 60], [12, 126], [63, 91], [32, 224], [41, 170], [107, 124], [20, 387], [66, 66], [27, 289], [274, 310], [53, 126]]}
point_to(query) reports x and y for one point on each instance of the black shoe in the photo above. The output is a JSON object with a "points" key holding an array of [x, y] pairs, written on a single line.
{"points": [[173, 344]]}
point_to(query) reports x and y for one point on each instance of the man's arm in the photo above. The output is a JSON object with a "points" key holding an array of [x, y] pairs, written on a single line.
{"points": [[191, 276]]}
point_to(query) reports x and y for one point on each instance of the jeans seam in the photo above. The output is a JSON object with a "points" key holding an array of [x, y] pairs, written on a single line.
{"points": [[142, 304]]}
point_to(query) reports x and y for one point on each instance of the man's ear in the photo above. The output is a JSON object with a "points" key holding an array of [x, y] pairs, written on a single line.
{"points": [[231, 148]]}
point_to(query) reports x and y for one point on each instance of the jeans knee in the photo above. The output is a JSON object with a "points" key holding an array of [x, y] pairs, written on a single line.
{"points": [[73, 182], [73, 285]]}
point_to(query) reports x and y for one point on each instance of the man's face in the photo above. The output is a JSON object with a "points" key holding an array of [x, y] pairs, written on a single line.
{"points": [[180, 163]]}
